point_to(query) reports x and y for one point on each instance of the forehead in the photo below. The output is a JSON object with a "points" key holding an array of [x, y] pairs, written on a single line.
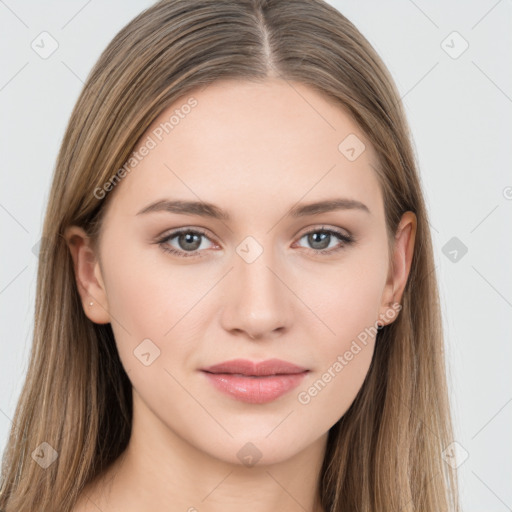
{"points": [[247, 145]]}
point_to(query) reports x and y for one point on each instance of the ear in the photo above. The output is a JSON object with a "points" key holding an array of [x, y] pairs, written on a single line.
{"points": [[88, 275], [400, 266]]}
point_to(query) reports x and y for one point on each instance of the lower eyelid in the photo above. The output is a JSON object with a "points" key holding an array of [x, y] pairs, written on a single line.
{"points": [[164, 240], [343, 239]]}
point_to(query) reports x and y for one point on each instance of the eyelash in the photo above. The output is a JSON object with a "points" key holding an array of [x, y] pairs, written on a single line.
{"points": [[162, 242]]}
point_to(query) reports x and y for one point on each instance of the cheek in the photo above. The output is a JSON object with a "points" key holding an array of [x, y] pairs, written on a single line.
{"points": [[148, 296], [329, 392], [347, 296], [343, 358], [348, 302]]}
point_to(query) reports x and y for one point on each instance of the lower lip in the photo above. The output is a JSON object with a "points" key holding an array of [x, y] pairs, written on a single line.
{"points": [[255, 390]]}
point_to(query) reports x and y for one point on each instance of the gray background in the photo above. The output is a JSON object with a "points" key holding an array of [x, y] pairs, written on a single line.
{"points": [[459, 106]]}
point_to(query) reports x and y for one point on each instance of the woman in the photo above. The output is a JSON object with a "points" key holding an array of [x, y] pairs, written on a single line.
{"points": [[237, 307]]}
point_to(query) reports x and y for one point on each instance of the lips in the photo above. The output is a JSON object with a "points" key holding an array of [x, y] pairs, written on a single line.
{"points": [[250, 368], [255, 383]]}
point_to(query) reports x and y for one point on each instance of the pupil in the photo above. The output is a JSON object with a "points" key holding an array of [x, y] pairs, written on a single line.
{"points": [[324, 237], [189, 241]]}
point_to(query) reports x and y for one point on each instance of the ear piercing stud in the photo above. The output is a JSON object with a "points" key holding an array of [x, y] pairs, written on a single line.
{"points": [[91, 303]]}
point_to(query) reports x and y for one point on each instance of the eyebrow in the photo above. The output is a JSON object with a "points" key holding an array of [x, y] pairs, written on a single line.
{"points": [[204, 209]]}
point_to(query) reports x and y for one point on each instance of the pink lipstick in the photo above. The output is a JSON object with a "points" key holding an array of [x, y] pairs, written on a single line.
{"points": [[253, 382]]}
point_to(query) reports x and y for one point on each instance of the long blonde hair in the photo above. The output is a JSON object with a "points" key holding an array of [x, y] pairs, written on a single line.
{"points": [[385, 453]]}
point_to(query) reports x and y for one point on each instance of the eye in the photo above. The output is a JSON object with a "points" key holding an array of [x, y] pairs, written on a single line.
{"points": [[189, 241], [320, 240]]}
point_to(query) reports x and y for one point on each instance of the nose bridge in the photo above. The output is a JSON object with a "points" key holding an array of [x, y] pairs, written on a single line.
{"points": [[259, 302]]}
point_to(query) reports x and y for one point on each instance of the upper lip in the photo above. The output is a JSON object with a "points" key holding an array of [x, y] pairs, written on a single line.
{"points": [[246, 367]]}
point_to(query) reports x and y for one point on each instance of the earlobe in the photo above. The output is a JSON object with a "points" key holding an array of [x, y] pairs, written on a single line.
{"points": [[87, 275], [400, 268]]}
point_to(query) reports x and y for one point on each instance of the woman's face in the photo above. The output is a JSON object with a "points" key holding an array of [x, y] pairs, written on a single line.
{"points": [[272, 278]]}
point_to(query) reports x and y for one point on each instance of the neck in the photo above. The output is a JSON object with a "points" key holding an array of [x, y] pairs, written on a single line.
{"points": [[159, 470]]}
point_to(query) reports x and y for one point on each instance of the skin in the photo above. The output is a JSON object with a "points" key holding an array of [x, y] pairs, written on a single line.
{"points": [[255, 150]]}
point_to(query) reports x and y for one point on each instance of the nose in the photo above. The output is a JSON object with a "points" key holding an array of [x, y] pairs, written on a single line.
{"points": [[258, 302]]}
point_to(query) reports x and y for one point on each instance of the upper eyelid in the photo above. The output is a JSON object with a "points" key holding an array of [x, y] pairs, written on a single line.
{"points": [[168, 235], [177, 231], [324, 227], [205, 231]]}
